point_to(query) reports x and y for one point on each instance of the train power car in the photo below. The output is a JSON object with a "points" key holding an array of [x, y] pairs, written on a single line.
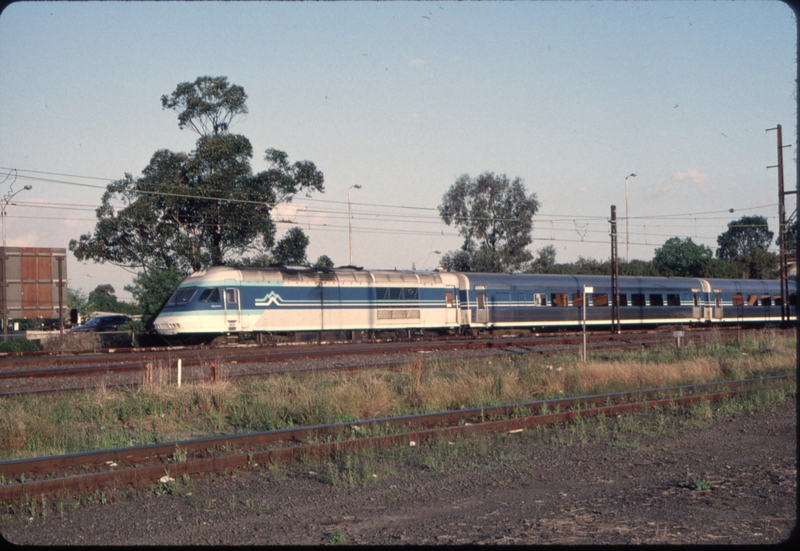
{"points": [[301, 303]]}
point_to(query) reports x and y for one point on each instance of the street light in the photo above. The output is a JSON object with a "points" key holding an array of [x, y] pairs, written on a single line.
{"points": [[350, 220], [6, 201], [427, 257], [627, 233]]}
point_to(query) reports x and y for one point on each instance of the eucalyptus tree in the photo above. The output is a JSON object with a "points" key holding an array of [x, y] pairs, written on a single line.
{"points": [[494, 215], [204, 208]]}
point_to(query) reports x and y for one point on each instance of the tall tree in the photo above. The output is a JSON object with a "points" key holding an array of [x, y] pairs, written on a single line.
{"points": [[208, 105], [746, 242], [545, 260], [681, 258], [291, 249], [206, 208], [494, 215], [743, 235]]}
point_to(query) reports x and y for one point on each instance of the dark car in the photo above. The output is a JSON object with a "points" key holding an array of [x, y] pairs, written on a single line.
{"points": [[103, 323]]}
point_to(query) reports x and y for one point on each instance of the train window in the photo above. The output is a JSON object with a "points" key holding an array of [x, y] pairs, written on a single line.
{"points": [[717, 300], [600, 299], [559, 299], [673, 299], [638, 300], [752, 300], [695, 300], [539, 299], [396, 293], [209, 295], [657, 300], [182, 296], [230, 296], [792, 300], [448, 299], [501, 298], [481, 300], [766, 300], [778, 300], [738, 300], [623, 299], [577, 299]]}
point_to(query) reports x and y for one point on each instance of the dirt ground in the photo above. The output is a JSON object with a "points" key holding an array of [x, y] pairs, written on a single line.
{"points": [[518, 491]]}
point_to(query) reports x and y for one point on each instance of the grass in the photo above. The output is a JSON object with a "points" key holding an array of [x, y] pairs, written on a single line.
{"points": [[72, 422]]}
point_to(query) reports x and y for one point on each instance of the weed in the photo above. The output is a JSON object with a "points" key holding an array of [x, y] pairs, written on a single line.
{"points": [[336, 537], [701, 484], [179, 455], [30, 506]]}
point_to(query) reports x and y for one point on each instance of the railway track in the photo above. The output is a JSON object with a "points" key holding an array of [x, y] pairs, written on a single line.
{"points": [[203, 364], [161, 463]]}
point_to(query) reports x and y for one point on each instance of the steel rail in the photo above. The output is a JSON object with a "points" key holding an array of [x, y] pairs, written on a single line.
{"points": [[267, 352], [282, 356], [200, 449], [109, 370]]}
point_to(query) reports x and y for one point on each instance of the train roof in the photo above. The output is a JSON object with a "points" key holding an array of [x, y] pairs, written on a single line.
{"points": [[357, 274]]}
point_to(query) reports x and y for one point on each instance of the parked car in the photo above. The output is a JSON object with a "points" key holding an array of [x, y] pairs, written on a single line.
{"points": [[102, 323]]}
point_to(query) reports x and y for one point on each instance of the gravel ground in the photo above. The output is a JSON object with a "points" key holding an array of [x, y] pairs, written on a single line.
{"points": [[517, 490]]}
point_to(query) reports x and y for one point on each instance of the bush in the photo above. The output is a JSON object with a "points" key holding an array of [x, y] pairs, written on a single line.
{"points": [[18, 345]]}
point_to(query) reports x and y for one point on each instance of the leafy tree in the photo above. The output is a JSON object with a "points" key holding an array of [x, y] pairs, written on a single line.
{"points": [[291, 249], [152, 290], [720, 268], [456, 261], [495, 217], [746, 243], [681, 258], [323, 262], [103, 299], [744, 235], [77, 299], [190, 211], [759, 264], [545, 260], [640, 268], [207, 105]]}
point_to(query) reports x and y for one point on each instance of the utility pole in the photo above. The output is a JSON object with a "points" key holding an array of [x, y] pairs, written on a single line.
{"points": [[784, 253], [615, 321]]}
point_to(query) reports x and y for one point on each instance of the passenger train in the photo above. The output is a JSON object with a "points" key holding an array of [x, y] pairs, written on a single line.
{"points": [[303, 303]]}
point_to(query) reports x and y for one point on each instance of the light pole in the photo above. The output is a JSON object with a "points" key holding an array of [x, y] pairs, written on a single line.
{"points": [[427, 257], [6, 200], [350, 220], [627, 233]]}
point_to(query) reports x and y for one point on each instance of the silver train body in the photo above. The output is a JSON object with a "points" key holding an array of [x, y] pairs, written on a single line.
{"points": [[293, 303]]}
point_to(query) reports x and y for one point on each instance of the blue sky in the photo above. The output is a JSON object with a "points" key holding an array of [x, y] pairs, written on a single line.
{"points": [[401, 98]]}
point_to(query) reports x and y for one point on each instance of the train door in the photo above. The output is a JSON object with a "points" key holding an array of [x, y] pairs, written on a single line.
{"points": [[717, 296], [451, 305], [233, 309], [696, 307], [481, 305]]}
